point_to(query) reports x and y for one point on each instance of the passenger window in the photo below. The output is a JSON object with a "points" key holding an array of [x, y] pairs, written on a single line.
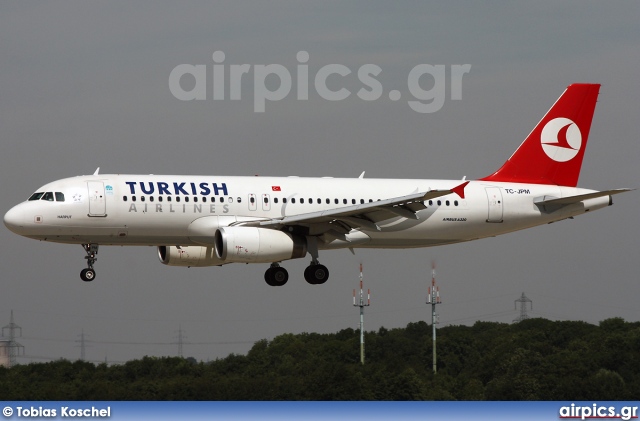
{"points": [[319, 201], [204, 200], [252, 200], [124, 198], [221, 199], [293, 200], [328, 200], [430, 202], [142, 198], [186, 199], [195, 199], [177, 198], [239, 199], [439, 203], [336, 201], [151, 199], [275, 200], [447, 203], [48, 196], [284, 200], [36, 196], [159, 198], [310, 201], [353, 201], [361, 201], [266, 200], [344, 201], [59, 197], [455, 202], [133, 198], [168, 198]]}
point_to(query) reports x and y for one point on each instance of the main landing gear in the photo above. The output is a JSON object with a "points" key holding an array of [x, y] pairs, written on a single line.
{"points": [[315, 274], [276, 276], [89, 274]]}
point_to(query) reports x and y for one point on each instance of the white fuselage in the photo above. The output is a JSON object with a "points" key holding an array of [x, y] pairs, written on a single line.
{"points": [[160, 210]]}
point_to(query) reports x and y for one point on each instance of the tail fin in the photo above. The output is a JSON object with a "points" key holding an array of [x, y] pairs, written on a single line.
{"points": [[553, 151]]}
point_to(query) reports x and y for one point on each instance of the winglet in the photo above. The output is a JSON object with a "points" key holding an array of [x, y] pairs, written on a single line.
{"points": [[459, 190]]}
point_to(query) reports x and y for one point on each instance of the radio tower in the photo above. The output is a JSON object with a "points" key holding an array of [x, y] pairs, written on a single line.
{"points": [[83, 345], [523, 300], [362, 305], [181, 338], [434, 298], [14, 347]]}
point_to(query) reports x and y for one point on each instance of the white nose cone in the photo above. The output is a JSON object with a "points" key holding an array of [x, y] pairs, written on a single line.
{"points": [[14, 219]]}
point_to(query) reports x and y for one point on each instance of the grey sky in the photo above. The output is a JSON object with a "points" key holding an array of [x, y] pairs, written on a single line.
{"points": [[84, 85]]}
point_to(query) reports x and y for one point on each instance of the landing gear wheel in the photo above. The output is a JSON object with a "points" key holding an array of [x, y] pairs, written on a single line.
{"points": [[276, 276], [316, 274], [88, 275]]}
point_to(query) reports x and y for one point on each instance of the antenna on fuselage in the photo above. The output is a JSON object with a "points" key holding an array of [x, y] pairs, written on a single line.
{"points": [[97, 171]]}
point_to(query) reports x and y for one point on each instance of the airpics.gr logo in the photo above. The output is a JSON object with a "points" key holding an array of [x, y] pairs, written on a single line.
{"points": [[561, 139]]}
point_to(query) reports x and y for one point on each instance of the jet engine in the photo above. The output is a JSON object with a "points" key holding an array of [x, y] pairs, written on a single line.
{"points": [[195, 256], [257, 245]]}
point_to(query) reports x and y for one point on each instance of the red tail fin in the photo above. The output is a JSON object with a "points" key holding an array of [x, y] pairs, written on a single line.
{"points": [[553, 151]]}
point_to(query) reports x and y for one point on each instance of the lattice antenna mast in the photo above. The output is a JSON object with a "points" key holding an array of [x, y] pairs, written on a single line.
{"points": [[181, 338], [523, 300], [434, 298], [83, 345], [361, 303], [14, 347]]}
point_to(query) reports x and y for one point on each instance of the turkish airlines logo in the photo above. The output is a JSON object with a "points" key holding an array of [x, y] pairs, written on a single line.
{"points": [[561, 139]]}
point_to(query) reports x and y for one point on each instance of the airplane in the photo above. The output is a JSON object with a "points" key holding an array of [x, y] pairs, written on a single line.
{"points": [[197, 221]]}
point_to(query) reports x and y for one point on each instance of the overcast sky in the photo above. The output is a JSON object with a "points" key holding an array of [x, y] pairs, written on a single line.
{"points": [[86, 85]]}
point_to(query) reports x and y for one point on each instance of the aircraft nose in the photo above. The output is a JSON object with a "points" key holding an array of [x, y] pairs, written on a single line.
{"points": [[14, 219]]}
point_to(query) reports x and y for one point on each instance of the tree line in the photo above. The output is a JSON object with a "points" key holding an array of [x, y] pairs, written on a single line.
{"points": [[535, 359]]}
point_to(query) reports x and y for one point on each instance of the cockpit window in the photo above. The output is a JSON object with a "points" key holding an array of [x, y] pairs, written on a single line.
{"points": [[48, 196], [59, 196], [36, 196]]}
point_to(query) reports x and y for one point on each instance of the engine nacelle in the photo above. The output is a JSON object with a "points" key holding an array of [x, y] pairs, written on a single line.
{"points": [[257, 245], [191, 256]]}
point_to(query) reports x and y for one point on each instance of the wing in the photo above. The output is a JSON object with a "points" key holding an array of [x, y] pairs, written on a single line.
{"points": [[362, 216]]}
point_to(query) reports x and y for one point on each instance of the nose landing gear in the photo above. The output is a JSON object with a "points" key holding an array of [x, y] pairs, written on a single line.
{"points": [[89, 274]]}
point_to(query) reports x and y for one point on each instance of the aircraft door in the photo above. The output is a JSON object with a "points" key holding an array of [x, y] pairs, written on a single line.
{"points": [[97, 201], [494, 197], [253, 202]]}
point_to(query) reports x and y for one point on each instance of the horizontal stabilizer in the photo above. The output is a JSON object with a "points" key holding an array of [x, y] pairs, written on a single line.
{"points": [[579, 198]]}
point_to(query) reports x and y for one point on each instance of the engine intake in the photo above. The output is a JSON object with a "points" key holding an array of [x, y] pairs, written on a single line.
{"points": [[191, 256], [257, 245]]}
